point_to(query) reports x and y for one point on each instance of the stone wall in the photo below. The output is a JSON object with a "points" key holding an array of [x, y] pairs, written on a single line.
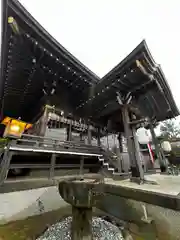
{"points": [[165, 222]]}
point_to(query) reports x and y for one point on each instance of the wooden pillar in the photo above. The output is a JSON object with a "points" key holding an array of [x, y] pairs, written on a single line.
{"points": [[99, 137], [139, 168], [81, 228], [159, 153], [69, 130], [81, 167], [44, 122], [81, 137], [52, 168], [89, 134], [120, 142], [120, 159], [132, 145], [107, 141]]}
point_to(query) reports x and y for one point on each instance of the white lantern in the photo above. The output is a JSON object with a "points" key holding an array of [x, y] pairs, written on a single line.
{"points": [[143, 136], [166, 146]]}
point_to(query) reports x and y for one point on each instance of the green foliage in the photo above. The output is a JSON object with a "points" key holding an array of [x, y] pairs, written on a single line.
{"points": [[3, 142], [174, 170], [170, 130]]}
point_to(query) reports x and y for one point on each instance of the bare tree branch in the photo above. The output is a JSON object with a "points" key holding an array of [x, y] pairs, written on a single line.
{"points": [[170, 130]]}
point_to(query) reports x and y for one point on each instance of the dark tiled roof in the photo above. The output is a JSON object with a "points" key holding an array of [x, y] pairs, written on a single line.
{"points": [[33, 63]]}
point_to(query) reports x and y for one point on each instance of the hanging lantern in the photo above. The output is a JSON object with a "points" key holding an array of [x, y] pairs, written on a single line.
{"points": [[12, 22], [143, 136], [14, 128], [166, 146]]}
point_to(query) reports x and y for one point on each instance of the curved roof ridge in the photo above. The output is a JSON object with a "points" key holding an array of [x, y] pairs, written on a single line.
{"points": [[40, 30], [125, 60]]}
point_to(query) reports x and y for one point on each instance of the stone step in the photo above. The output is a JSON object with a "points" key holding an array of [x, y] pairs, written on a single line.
{"points": [[112, 170]]}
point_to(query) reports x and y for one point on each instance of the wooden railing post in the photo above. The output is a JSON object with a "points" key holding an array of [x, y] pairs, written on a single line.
{"points": [[43, 122], [89, 134]]}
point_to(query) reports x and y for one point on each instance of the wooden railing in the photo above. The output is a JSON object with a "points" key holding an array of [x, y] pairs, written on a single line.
{"points": [[37, 143], [29, 144]]}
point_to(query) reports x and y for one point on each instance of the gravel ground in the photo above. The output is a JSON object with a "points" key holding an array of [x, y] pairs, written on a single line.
{"points": [[32, 227], [101, 229]]}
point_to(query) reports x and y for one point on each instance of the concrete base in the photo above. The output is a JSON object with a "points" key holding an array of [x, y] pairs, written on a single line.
{"points": [[165, 184], [81, 195], [81, 223]]}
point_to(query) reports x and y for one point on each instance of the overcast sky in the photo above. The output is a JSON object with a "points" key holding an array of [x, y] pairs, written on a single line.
{"points": [[100, 33]]}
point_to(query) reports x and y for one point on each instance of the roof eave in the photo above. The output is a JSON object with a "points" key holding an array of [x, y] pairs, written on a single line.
{"points": [[25, 16]]}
